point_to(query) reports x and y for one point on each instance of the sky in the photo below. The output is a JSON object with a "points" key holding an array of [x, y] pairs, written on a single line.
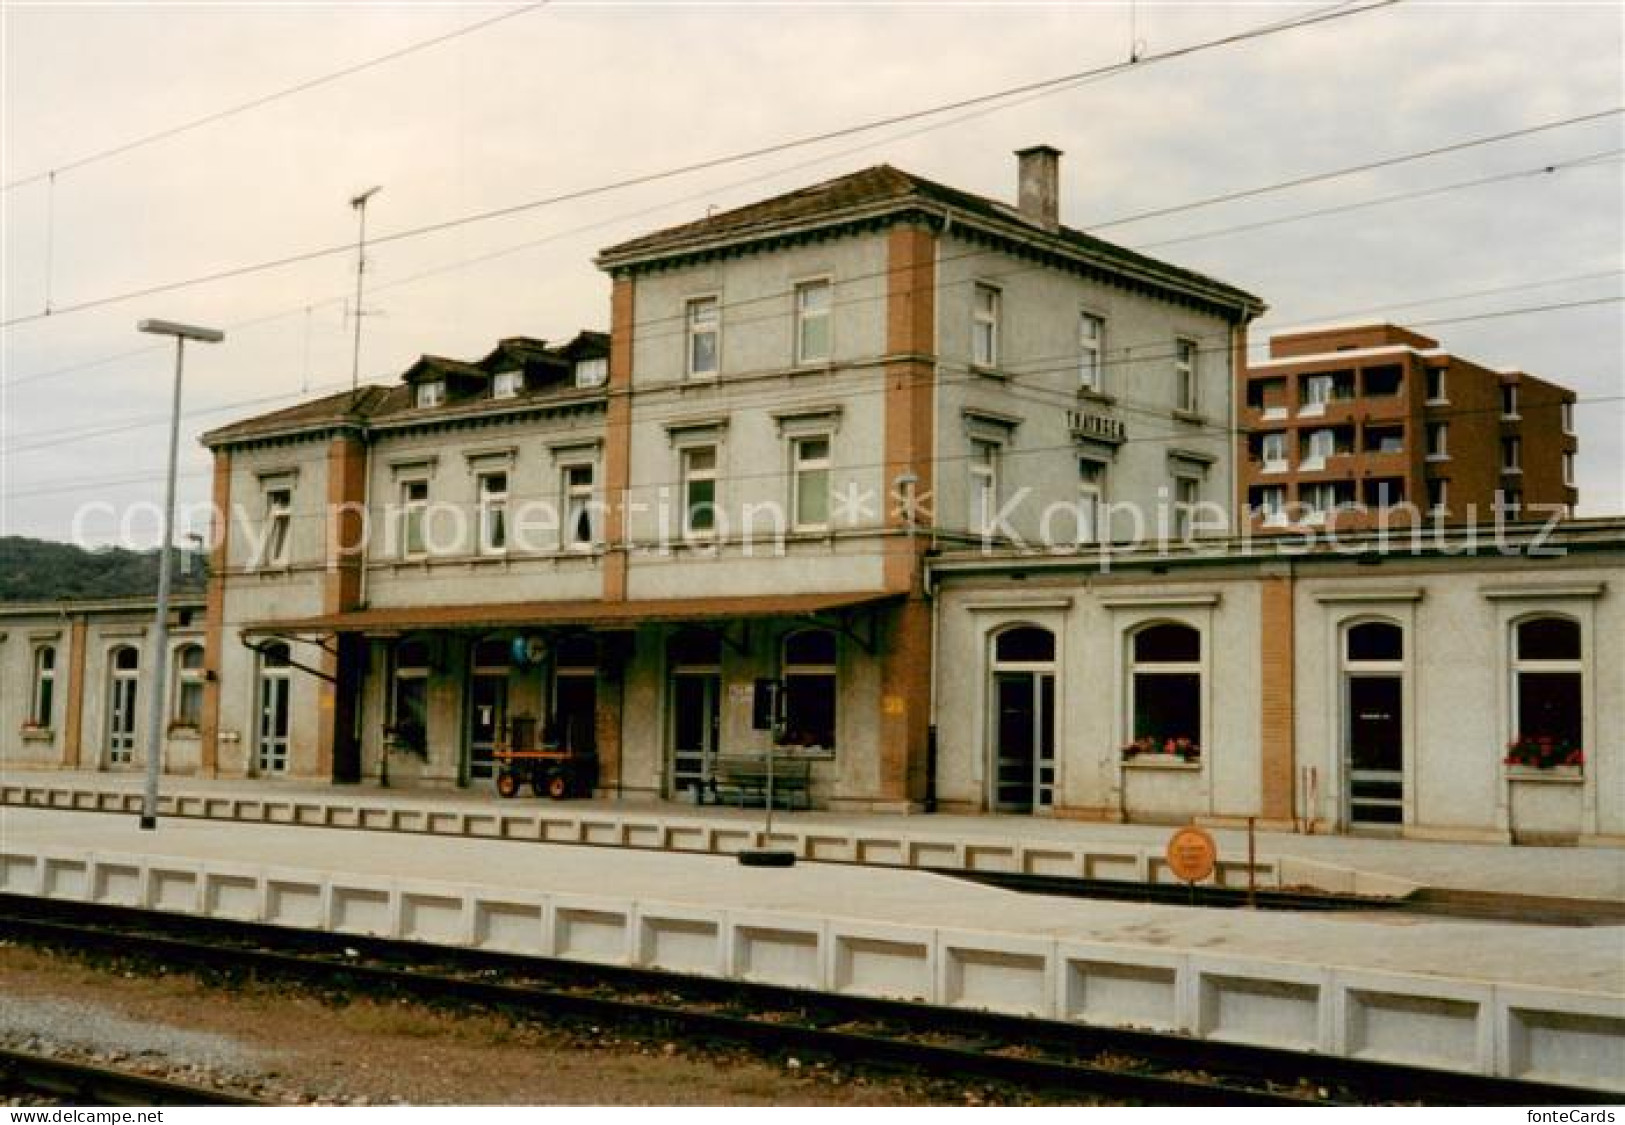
{"points": [[563, 99]]}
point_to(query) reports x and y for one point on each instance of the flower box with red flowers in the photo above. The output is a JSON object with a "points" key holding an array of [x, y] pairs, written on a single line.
{"points": [[1543, 752], [1185, 749]]}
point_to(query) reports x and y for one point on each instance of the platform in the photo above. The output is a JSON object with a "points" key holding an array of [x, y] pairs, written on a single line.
{"points": [[1337, 864], [1519, 1000]]}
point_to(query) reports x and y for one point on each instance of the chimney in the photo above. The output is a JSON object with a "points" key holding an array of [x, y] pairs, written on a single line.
{"points": [[1039, 175]]}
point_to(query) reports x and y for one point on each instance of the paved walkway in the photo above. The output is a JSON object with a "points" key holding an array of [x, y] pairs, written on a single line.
{"points": [[1587, 959], [1597, 873]]}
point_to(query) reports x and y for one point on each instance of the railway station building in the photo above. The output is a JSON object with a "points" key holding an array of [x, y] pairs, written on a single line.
{"points": [[818, 448]]}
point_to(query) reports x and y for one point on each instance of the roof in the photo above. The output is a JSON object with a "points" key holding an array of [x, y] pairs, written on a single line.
{"points": [[347, 407], [883, 191], [376, 403], [519, 614]]}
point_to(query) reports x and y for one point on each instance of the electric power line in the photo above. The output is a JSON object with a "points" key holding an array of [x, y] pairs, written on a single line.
{"points": [[1055, 84], [266, 99]]}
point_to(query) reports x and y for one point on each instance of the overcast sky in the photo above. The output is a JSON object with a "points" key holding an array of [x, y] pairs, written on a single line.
{"points": [[573, 96]]}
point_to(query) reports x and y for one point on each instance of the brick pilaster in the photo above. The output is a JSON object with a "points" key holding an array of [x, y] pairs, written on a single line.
{"points": [[1277, 751], [618, 437]]}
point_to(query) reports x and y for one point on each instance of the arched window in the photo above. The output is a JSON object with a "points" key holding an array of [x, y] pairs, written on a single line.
{"points": [[1165, 676], [1548, 692], [695, 648], [43, 698], [1375, 642], [126, 658], [810, 688], [1024, 645], [189, 679]]}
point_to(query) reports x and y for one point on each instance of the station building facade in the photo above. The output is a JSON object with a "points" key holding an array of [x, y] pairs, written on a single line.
{"points": [[75, 686], [796, 402], [1463, 685]]}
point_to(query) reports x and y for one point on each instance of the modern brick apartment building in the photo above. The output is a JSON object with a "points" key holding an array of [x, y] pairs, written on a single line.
{"points": [[1361, 425]]}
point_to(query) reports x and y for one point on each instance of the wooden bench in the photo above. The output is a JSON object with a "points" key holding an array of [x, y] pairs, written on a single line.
{"points": [[745, 779]]}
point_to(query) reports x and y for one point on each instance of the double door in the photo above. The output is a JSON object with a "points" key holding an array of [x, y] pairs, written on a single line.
{"points": [[1024, 741], [1376, 751], [696, 720]]}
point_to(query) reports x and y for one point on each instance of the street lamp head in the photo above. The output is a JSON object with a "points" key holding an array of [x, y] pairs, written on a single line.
{"points": [[181, 331], [361, 200]]}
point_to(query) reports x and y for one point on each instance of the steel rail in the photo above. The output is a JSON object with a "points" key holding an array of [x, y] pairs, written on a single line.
{"points": [[88, 1084], [1166, 1069]]}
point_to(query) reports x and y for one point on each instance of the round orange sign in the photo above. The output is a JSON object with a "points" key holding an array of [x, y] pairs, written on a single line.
{"points": [[1192, 854]]}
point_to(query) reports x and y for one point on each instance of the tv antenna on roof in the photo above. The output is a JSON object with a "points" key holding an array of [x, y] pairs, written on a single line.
{"points": [[360, 205]]}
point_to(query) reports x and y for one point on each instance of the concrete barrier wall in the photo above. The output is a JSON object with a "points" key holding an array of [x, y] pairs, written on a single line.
{"points": [[1461, 1025], [885, 848]]}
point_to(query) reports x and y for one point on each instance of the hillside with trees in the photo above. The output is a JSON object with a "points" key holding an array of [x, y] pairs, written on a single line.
{"points": [[40, 570]]}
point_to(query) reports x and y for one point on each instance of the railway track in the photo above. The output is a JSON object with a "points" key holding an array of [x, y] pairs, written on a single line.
{"points": [[80, 1083], [1032, 1054]]}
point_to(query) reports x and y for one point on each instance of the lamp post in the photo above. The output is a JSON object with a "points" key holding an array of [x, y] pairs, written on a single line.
{"points": [[160, 627]]}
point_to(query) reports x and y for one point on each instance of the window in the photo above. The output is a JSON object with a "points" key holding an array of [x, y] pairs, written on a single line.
{"points": [[1317, 392], [700, 490], [578, 506], [1272, 505], [1374, 642], [810, 482], [1091, 353], [1568, 417], [1509, 400], [42, 701], [507, 384], [278, 525], [810, 689], [1166, 686], [1187, 494], [592, 372], [1438, 441], [409, 695], [189, 679], [1512, 502], [1548, 675], [1091, 500], [1185, 388], [1318, 500], [1511, 455], [1436, 384], [704, 335], [1568, 468], [1439, 495], [812, 321], [1385, 440], [493, 513], [431, 393], [984, 326], [1273, 451], [984, 485], [1321, 445], [414, 516]]}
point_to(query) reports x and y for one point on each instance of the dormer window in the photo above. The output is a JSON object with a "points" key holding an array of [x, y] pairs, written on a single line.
{"points": [[592, 372], [506, 384], [428, 394]]}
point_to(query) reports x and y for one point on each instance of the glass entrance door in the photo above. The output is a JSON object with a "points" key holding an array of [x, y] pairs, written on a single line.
{"points": [[1024, 755], [121, 706], [487, 715], [273, 732], [1376, 751], [696, 719]]}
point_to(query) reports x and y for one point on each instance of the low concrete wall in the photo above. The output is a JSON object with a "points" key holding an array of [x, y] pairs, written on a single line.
{"points": [[557, 825], [1463, 1025]]}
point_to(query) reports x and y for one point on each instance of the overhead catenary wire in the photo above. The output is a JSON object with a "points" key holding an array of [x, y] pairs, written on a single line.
{"points": [[56, 438], [1056, 84], [266, 99], [1181, 431], [776, 295]]}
